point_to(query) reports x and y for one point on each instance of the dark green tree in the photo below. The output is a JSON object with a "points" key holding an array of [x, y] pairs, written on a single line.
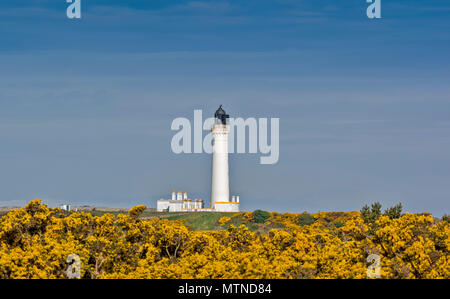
{"points": [[305, 219], [370, 215], [339, 224], [394, 211], [260, 216]]}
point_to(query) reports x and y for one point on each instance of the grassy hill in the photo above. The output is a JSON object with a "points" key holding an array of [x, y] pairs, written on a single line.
{"points": [[194, 220], [210, 221], [207, 221], [201, 220]]}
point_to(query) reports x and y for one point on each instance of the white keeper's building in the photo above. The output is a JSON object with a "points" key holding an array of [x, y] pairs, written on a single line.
{"points": [[179, 203]]}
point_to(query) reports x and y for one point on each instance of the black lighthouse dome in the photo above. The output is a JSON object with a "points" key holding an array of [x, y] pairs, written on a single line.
{"points": [[221, 115]]}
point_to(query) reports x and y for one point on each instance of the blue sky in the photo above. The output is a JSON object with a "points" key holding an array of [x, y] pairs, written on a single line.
{"points": [[86, 105]]}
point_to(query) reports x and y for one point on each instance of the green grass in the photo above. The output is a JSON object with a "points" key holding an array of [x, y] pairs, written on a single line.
{"points": [[201, 220], [254, 227], [194, 220], [210, 221]]}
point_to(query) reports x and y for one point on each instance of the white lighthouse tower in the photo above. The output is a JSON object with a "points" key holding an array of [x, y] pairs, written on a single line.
{"points": [[220, 187]]}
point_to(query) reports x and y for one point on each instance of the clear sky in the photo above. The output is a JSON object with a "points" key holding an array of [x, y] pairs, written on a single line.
{"points": [[86, 105]]}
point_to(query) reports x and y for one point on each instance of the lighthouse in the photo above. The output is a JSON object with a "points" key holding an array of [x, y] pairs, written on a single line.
{"points": [[220, 187]]}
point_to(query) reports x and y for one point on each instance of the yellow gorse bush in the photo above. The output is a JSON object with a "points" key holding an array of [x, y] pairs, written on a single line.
{"points": [[35, 242]]}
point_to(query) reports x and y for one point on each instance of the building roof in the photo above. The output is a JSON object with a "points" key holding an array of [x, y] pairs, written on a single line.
{"points": [[221, 115]]}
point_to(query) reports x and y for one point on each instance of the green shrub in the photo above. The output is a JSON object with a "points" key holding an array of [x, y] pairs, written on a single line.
{"points": [[339, 224], [260, 216], [394, 212], [370, 215], [305, 219]]}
